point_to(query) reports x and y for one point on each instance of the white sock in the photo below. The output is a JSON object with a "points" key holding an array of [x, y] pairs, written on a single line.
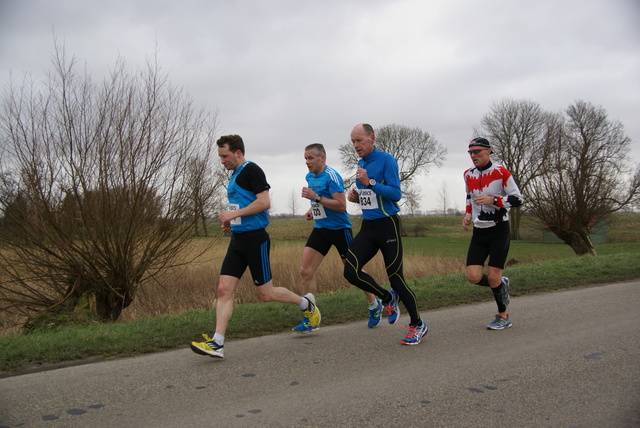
{"points": [[311, 297], [304, 304], [219, 339], [373, 305]]}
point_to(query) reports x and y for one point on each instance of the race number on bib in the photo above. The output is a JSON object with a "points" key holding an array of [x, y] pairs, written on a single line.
{"points": [[237, 220], [368, 200], [318, 211]]}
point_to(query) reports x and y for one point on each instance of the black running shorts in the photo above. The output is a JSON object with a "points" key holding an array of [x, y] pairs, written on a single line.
{"points": [[249, 249], [492, 242], [321, 240]]}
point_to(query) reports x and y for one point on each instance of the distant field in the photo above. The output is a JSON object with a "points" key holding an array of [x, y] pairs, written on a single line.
{"points": [[439, 249], [176, 309], [624, 227], [434, 246]]}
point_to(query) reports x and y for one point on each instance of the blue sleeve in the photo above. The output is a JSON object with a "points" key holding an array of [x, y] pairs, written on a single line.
{"points": [[389, 187], [336, 186]]}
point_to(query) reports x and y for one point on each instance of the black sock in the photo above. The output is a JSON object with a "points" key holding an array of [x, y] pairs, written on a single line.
{"points": [[484, 282], [387, 298], [496, 295]]}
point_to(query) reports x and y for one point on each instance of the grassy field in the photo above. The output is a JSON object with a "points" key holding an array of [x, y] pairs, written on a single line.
{"points": [[173, 313]]}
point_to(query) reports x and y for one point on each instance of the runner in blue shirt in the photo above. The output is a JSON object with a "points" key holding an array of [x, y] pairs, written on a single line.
{"points": [[245, 220], [325, 191], [378, 192]]}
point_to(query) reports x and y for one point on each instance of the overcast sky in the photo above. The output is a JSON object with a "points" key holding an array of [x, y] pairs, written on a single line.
{"points": [[287, 73]]}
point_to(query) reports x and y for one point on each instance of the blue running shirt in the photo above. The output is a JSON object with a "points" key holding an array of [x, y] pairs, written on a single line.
{"points": [[325, 184], [382, 199], [245, 183]]}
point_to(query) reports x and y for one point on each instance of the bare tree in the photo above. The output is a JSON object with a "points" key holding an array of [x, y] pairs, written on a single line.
{"points": [[444, 198], [272, 205], [293, 202], [206, 185], [415, 150], [410, 197], [520, 132], [586, 178], [95, 196]]}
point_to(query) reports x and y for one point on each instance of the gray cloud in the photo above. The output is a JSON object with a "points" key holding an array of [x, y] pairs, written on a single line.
{"points": [[284, 73]]}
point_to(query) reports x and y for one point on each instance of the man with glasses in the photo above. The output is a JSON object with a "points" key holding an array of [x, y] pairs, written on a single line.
{"points": [[491, 191]]}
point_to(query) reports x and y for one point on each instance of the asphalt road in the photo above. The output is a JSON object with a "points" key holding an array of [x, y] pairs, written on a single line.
{"points": [[572, 359]]}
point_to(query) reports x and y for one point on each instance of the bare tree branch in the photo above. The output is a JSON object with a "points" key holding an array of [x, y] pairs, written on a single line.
{"points": [[97, 189], [520, 132], [585, 176]]}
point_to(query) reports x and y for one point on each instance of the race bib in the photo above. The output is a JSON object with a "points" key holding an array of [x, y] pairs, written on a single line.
{"points": [[368, 199], [238, 220], [318, 211]]}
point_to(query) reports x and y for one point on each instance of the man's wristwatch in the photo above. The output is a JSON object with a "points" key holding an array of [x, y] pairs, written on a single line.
{"points": [[318, 199], [372, 183], [495, 200]]}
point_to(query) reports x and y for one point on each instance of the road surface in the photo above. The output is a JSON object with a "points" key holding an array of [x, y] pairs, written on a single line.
{"points": [[572, 359]]}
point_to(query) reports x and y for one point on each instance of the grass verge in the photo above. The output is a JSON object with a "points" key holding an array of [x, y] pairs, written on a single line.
{"points": [[56, 345]]}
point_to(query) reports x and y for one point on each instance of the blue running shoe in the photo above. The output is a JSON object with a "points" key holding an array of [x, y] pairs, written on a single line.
{"points": [[375, 314], [304, 327], [393, 310], [415, 334], [499, 323]]}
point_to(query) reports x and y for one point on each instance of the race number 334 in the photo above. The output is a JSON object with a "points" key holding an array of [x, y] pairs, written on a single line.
{"points": [[368, 200]]}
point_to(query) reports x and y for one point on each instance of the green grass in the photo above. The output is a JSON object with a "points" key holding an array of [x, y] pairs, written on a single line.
{"points": [[619, 263], [519, 252], [531, 268]]}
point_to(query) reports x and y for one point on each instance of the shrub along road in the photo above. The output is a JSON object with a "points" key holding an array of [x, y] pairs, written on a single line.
{"points": [[571, 359]]}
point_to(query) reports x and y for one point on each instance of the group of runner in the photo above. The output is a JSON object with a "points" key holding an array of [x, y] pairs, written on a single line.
{"points": [[490, 189]]}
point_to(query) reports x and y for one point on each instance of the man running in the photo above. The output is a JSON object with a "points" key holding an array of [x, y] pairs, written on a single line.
{"points": [[491, 191], [378, 192], [246, 220], [325, 191]]}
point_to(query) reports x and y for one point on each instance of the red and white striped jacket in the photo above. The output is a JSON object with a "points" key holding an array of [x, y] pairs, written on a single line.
{"points": [[496, 181]]}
